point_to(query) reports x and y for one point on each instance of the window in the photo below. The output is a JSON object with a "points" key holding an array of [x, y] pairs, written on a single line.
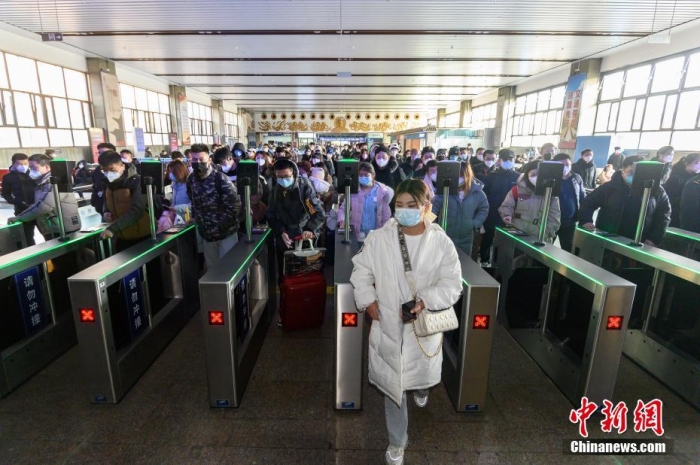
{"points": [[201, 127], [231, 126], [536, 118], [481, 117], [42, 105], [146, 110], [452, 120], [653, 104]]}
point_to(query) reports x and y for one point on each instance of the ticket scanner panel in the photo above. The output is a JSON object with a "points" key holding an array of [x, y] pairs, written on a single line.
{"points": [[11, 238], [568, 315], [664, 329], [238, 299], [36, 325], [129, 307]]}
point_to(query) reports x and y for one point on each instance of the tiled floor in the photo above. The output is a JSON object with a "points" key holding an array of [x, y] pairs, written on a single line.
{"points": [[287, 418]]}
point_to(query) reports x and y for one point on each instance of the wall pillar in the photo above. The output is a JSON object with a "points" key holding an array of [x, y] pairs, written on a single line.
{"points": [[464, 107], [504, 106], [106, 99], [178, 114], [441, 113]]}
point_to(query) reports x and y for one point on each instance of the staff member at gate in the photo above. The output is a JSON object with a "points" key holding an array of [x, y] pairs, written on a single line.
{"points": [[397, 363]]}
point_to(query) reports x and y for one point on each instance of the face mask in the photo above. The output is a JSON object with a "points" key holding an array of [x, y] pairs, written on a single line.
{"points": [[21, 168], [490, 163], [407, 216], [533, 180], [382, 162], [172, 178], [124, 160], [35, 174], [190, 169], [464, 156], [260, 161], [453, 157], [629, 179], [587, 159], [433, 177], [567, 170], [112, 176], [303, 175], [461, 181], [696, 169], [461, 195], [285, 182], [480, 157], [427, 159], [200, 167], [225, 168], [668, 158], [315, 161], [365, 180], [265, 149], [507, 165]]}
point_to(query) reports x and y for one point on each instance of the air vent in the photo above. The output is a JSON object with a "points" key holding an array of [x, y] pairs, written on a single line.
{"points": [[344, 74]]}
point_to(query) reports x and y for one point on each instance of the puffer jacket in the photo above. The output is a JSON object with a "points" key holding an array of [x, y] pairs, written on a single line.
{"points": [[382, 201], [587, 171], [44, 209], [526, 211], [674, 189], [215, 205], [463, 216], [396, 362], [611, 198], [497, 185], [391, 175]]}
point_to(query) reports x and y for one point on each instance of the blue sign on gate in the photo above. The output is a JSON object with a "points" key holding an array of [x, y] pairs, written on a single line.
{"points": [[31, 300], [140, 143], [133, 295]]}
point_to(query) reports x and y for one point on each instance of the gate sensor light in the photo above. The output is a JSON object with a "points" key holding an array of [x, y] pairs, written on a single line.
{"points": [[87, 315], [481, 322], [216, 318], [614, 322], [349, 320]]}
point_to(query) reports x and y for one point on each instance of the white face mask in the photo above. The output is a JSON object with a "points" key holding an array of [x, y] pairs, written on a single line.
{"points": [[480, 157], [461, 181], [112, 176], [260, 161], [21, 168], [533, 180], [433, 177], [382, 162], [567, 170], [124, 160], [34, 174], [668, 158], [490, 163], [225, 168], [315, 161]]}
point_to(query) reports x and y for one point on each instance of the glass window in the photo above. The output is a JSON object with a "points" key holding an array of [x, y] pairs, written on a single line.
{"points": [[692, 73], [60, 106], [520, 105], [126, 94], [551, 122], [685, 140], [4, 84], [39, 111], [141, 97], [153, 101], [80, 138], [22, 74], [7, 108], [612, 83], [76, 114], [668, 74], [612, 122], [688, 105], [51, 80], [557, 98], [653, 114], [638, 114], [24, 110], [637, 81], [624, 120], [48, 101], [164, 103], [87, 114], [543, 100], [61, 137], [9, 138], [76, 84], [538, 123], [531, 103], [628, 139], [669, 111], [33, 137], [654, 140]]}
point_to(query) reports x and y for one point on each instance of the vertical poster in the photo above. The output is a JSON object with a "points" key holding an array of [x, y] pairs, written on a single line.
{"points": [[31, 300], [97, 136], [184, 119], [133, 296], [172, 137], [138, 137], [572, 110], [113, 109]]}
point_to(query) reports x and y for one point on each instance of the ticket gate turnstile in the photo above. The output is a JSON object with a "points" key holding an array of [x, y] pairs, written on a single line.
{"points": [[36, 325], [129, 307], [238, 300], [12, 238], [466, 351], [569, 315], [682, 242], [663, 335]]}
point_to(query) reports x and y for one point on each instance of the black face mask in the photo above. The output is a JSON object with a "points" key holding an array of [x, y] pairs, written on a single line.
{"points": [[199, 167]]}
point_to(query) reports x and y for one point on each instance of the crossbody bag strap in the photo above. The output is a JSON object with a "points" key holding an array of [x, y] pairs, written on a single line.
{"points": [[406, 258]]}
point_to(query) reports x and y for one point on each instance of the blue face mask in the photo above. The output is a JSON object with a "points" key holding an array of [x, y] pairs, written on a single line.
{"points": [[172, 178], [407, 216], [285, 182], [507, 165], [629, 179], [365, 180], [453, 157]]}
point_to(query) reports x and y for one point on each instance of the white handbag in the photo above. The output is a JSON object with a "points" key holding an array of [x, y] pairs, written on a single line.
{"points": [[428, 322]]}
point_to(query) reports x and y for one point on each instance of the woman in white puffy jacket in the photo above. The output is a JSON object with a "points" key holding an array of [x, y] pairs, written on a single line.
{"points": [[398, 360]]}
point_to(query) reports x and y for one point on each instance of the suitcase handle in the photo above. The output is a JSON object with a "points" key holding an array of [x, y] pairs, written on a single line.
{"points": [[300, 242]]}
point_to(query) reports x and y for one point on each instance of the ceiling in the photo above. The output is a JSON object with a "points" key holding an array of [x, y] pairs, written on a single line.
{"points": [[401, 54]]}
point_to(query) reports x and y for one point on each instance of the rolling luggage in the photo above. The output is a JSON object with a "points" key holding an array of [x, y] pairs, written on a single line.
{"points": [[303, 301]]}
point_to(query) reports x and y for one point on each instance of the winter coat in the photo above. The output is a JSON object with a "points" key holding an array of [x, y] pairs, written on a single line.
{"points": [[216, 205], [396, 362], [391, 175], [18, 190], [674, 189], [128, 206], [579, 192], [43, 211], [496, 187], [615, 160], [690, 205], [526, 211], [587, 171], [382, 202], [431, 186], [296, 209], [611, 197], [463, 216], [667, 169]]}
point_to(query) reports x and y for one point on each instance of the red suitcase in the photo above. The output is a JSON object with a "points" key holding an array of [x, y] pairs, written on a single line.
{"points": [[303, 301]]}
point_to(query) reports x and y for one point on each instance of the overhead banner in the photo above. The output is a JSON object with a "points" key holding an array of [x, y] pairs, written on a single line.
{"points": [[572, 110]]}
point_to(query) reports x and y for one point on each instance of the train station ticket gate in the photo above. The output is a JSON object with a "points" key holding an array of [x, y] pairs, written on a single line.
{"points": [[11, 238], [129, 307], [570, 316], [682, 242], [238, 299], [466, 350], [663, 334], [36, 324]]}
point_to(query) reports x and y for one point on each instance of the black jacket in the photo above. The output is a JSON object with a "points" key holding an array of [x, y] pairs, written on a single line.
{"points": [[674, 189], [498, 184], [616, 161], [690, 205], [667, 169], [296, 209], [97, 198], [391, 175], [587, 171], [18, 190], [611, 198]]}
